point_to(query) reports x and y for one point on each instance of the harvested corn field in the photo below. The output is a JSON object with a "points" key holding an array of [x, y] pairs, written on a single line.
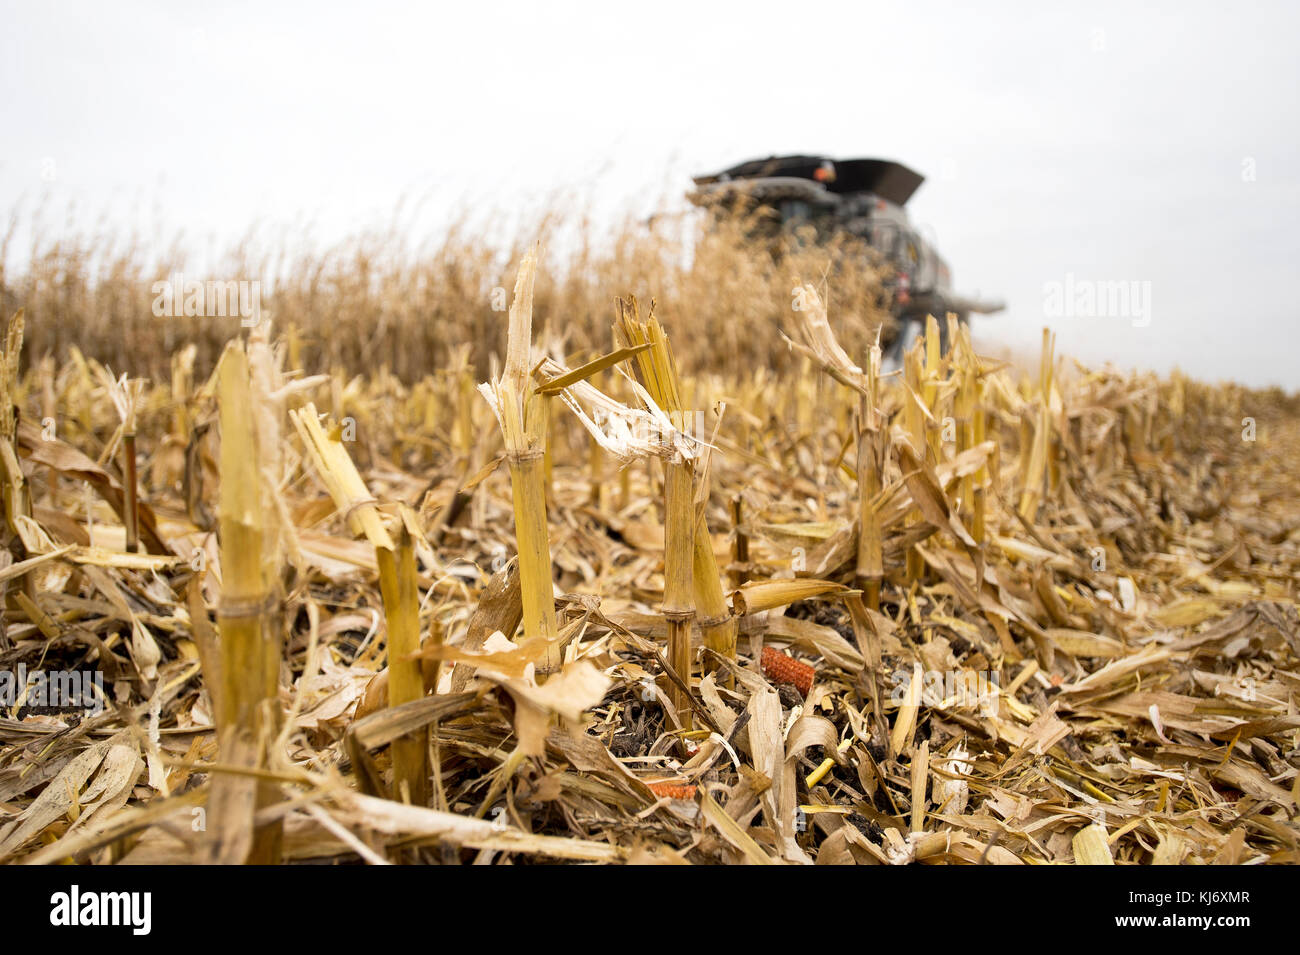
{"points": [[636, 602]]}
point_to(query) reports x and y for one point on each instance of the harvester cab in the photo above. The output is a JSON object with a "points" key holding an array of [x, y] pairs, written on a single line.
{"points": [[865, 198]]}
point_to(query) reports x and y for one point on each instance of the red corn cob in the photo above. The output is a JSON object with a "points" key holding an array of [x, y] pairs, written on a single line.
{"points": [[672, 790], [782, 668]]}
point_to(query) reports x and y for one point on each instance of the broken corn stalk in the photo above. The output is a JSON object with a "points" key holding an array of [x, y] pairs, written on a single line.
{"points": [[522, 410], [659, 378], [677, 606], [401, 598], [16, 493], [695, 585], [397, 585], [873, 448], [250, 641], [125, 395], [971, 413], [873, 436], [914, 418], [1035, 475]]}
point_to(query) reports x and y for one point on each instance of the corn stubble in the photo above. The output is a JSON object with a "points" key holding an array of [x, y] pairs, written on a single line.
{"points": [[523, 411], [248, 620], [398, 590], [421, 656], [692, 585]]}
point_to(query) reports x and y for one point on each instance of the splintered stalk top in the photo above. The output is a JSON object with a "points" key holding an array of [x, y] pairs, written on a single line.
{"points": [[522, 409], [658, 370]]}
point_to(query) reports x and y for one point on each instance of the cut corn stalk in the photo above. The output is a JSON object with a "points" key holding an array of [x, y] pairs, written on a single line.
{"points": [[405, 678], [251, 644], [1035, 475], [740, 547], [760, 595], [16, 492], [522, 411], [397, 582], [686, 531], [914, 421], [930, 387], [873, 437], [678, 608], [920, 780], [125, 394], [873, 450]]}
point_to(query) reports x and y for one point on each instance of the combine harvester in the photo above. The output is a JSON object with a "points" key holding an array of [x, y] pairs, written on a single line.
{"points": [[865, 198]]}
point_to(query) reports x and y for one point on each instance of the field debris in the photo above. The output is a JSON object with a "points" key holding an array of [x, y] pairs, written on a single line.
{"points": [[707, 613]]}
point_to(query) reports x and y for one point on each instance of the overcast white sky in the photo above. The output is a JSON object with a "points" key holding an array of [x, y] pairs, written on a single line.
{"points": [[1155, 143]]}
